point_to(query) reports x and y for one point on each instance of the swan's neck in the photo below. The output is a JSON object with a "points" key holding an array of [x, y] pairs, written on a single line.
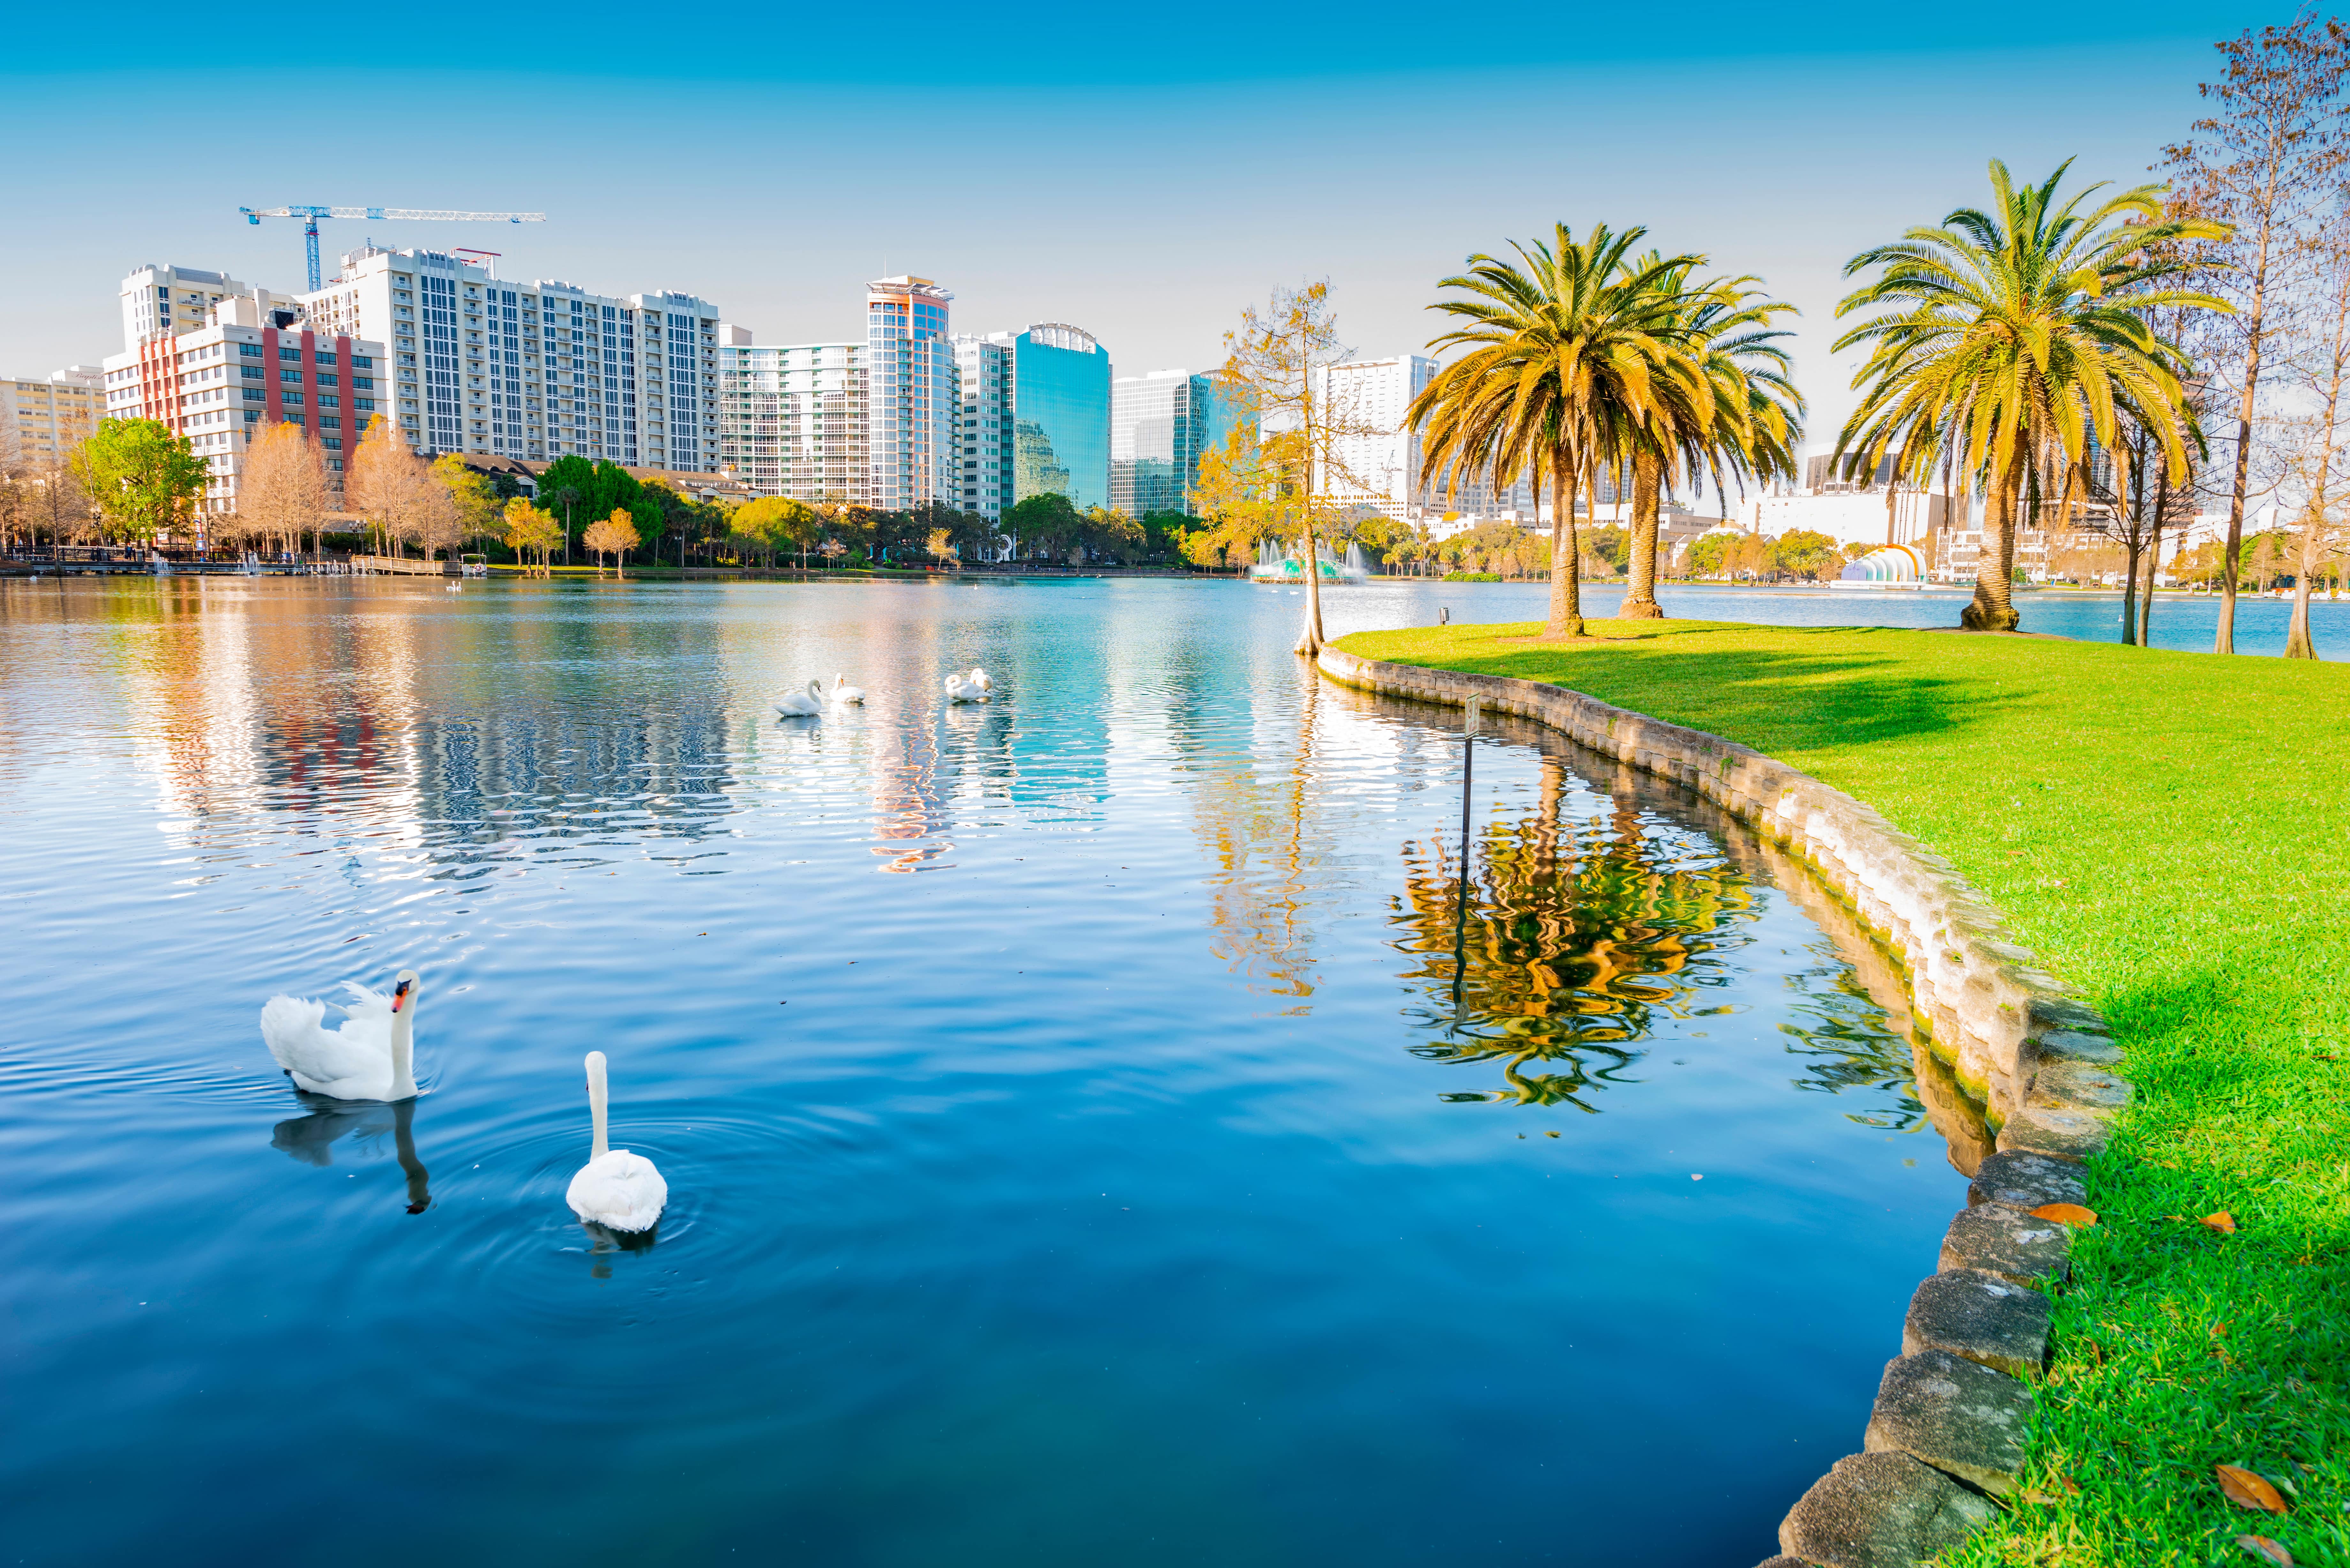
{"points": [[403, 1052], [596, 1104]]}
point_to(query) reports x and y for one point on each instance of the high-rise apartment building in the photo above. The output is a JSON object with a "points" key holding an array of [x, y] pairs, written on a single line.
{"points": [[1376, 461], [165, 301], [521, 370], [42, 418], [532, 371], [985, 364], [218, 385], [1060, 393], [913, 395], [791, 419], [1160, 423]]}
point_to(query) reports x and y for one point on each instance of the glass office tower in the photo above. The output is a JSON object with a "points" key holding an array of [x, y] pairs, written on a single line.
{"points": [[1060, 395], [1160, 423]]}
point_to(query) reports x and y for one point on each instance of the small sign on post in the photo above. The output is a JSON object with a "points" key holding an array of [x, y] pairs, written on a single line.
{"points": [[1476, 711]]}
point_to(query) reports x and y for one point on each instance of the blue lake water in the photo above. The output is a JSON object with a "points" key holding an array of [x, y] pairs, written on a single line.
{"points": [[2186, 622], [1098, 1128]]}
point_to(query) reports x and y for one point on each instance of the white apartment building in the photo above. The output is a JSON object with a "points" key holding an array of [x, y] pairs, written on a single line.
{"points": [[983, 365], [1378, 467], [218, 385], [165, 301], [791, 419], [534, 371], [1379, 470], [913, 397], [41, 418]]}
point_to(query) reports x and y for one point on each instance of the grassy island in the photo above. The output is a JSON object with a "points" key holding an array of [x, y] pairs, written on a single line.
{"points": [[2170, 833]]}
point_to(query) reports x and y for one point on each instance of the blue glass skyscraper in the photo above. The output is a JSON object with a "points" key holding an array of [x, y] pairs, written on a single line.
{"points": [[1060, 396], [1160, 423]]}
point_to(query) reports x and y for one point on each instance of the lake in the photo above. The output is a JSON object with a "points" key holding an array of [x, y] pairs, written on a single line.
{"points": [[2186, 622], [1102, 1125]]}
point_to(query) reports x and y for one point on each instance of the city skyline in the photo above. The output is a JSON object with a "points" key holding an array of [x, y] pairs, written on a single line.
{"points": [[1771, 161]]}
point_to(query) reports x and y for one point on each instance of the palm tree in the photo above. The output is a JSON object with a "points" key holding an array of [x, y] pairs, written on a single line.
{"points": [[1756, 418], [1571, 354], [2008, 337]]}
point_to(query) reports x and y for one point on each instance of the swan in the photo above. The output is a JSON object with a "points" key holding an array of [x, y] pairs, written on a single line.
{"points": [[805, 704], [615, 1189], [978, 678], [370, 1057], [961, 688], [843, 693]]}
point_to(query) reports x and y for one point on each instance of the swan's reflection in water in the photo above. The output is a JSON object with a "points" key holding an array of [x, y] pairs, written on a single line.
{"points": [[309, 1138], [608, 1241]]}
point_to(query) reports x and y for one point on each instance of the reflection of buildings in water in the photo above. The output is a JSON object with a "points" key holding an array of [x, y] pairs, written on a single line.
{"points": [[910, 803], [238, 699], [506, 766], [1572, 937], [905, 789], [305, 698]]}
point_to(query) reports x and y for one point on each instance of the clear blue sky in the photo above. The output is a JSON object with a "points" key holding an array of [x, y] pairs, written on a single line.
{"points": [[1142, 174]]}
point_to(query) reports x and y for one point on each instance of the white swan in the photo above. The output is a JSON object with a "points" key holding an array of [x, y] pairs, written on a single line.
{"points": [[807, 704], [961, 688], [616, 1189], [369, 1057], [843, 693], [978, 678]]}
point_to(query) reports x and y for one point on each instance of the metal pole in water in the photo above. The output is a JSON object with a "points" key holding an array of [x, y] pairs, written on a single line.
{"points": [[1473, 710]]}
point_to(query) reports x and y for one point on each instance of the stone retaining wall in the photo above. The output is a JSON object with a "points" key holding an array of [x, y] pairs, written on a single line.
{"points": [[1948, 1425]]}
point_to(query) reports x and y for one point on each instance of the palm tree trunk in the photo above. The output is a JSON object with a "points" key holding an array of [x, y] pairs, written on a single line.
{"points": [[1565, 553], [1993, 605], [1648, 483]]}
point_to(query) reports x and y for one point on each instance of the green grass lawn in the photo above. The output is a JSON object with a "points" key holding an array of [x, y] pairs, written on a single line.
{"points": [[2170, 833]]}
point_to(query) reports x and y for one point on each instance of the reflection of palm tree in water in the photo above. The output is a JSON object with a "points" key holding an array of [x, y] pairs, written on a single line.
{"points": [[1565, 947]]}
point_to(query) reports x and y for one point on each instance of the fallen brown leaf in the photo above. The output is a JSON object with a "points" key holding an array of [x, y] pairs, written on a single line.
{"points": [[2067, 1482], [2222, 1222], [2065, 1214], [2246, 1490], [2268, 1551]]}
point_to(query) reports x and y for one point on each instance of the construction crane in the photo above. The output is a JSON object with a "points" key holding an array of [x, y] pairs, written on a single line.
{"points": [[310, 229]]}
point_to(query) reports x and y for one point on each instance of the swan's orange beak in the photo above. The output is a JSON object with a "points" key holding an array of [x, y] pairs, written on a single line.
{"points": [[399, 996]]}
